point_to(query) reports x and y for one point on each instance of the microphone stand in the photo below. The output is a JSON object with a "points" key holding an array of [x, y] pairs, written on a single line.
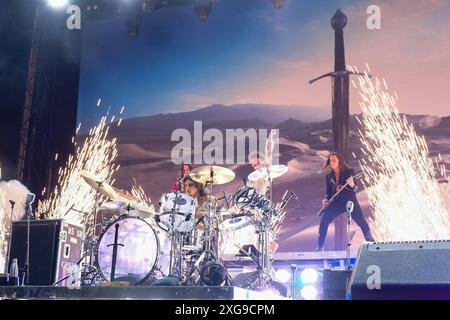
{"points": [[26, 270], [349, 243], [172, 228], [8, 252], [349, 210]]}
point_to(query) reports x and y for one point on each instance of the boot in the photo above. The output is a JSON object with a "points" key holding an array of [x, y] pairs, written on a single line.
{"points": [[369, 237]]}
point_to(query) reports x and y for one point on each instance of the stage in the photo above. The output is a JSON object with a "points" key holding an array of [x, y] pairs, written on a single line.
{"points": [[133, 293]]}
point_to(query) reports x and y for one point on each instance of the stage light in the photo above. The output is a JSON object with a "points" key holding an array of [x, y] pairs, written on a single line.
{"points": [[309, 293], [309, 276], [278, 4], [282, 275], [203, 10], [57, 3], [133, 11]]}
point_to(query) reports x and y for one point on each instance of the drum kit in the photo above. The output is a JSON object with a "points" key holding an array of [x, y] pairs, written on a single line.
{"points": [[138, 245]]}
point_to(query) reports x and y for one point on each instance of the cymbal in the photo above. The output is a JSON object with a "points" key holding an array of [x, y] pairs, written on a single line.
{"points": [[275, 171], [212, 174], [99, 184], [131, 208], [141, 210]]}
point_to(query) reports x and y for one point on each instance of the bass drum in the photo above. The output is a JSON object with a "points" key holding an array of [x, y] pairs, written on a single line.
{"points": [[141, 251]]}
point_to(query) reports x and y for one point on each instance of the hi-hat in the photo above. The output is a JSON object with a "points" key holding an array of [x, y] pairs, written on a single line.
{"points": [[141, 210], [130, 208], [99, 185], [273, 172], [212, 174]]}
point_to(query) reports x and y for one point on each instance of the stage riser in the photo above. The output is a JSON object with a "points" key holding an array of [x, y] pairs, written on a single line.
{"points": [[131, 293]]}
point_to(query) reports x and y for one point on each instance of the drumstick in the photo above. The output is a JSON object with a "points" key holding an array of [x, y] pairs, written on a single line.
{"points": [[241, 249]]}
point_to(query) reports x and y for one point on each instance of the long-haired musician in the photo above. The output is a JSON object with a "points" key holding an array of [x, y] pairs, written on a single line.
{"points": [[340, 174]]}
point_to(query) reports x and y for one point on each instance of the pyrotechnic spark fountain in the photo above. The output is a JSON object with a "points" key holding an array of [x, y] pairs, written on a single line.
{"points": [[73, 199], [140, 195], [400, 179]]}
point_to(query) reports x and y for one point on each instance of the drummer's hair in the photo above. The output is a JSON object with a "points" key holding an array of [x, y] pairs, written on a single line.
{"points": [[255, 155], [199, 186]]}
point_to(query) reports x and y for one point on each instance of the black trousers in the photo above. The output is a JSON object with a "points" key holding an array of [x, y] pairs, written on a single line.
{"points": [[336, 209]]}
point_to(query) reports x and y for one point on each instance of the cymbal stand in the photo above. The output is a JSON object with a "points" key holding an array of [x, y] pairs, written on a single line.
{"points": [[209, 253], [264, 263], [91, 272], [174, 236]]}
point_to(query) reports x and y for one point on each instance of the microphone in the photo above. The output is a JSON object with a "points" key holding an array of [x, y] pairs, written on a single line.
{"points": [[226, 199], [294, 195], [349, 206], [28, 208], [12, 202], [30, 198], [179, 177]]}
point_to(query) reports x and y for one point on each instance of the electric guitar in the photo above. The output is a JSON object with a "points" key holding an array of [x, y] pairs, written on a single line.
{"points": [[333, 198]]}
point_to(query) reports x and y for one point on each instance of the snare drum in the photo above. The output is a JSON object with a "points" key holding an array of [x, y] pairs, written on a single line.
{"points": [[183, 217], [235, 223]]}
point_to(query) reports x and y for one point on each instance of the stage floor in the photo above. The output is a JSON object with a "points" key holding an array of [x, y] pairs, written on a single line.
{"points": [[134, 293]]}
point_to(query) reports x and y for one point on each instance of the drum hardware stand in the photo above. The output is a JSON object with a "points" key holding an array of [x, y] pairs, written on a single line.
{"points": [[99, 185], [90, 250], [78, 264], [172, 234], [114, 254], [208, 254], [270, 184], [264, 264]]}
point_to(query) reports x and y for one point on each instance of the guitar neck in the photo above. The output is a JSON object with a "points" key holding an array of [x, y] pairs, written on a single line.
{"points": [[357, 176]]}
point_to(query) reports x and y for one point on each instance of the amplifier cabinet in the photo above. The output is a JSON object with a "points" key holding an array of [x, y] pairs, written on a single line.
{"points": [[55, 248]]}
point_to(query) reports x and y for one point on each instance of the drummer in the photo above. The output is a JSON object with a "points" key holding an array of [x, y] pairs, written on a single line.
{"points": [[197, 191], [257, 161]]}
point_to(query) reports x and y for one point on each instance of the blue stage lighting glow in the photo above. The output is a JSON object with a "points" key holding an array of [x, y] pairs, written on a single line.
{"points": [[309, 292], [309, 276], [57, 3], [283, 275]]}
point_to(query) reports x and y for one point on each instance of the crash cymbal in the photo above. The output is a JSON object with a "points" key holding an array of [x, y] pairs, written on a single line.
{"points": [[99, 184], [212, 174], [274, 171]]}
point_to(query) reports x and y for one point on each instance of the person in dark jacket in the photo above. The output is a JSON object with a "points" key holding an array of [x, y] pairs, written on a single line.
{"points": [[340, 175]]}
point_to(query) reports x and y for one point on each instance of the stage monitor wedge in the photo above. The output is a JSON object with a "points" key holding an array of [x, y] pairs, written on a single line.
{"points": [[402, 271]]}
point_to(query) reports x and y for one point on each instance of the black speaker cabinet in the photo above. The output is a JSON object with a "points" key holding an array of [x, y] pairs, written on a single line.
{"points": [[335, 283], [402, 270], [54, 246]]}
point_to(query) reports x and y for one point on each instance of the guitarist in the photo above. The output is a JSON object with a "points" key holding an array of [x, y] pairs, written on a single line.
{"points": [[340, 175]]}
